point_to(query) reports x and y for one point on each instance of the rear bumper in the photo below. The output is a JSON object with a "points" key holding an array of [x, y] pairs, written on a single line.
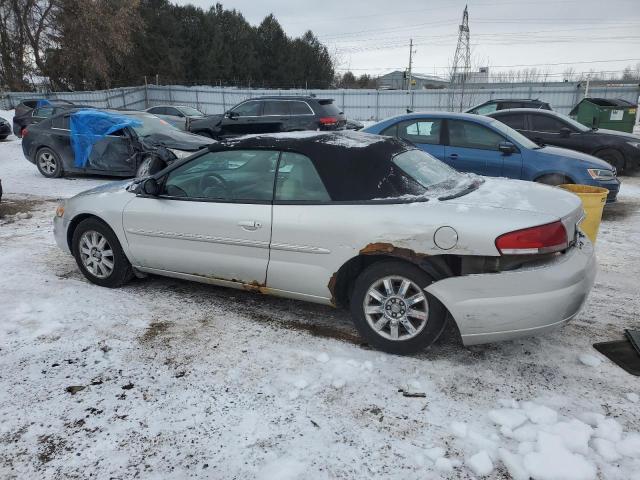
{"points": [[502, 306]]}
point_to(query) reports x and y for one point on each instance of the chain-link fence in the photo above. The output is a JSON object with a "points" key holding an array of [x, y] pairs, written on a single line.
{"points": [[358, 104]]}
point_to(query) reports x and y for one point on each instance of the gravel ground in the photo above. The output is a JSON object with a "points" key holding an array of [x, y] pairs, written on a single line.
{"points": [[169, 378]]}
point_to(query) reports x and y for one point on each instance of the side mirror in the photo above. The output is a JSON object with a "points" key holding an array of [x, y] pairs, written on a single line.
{"points": [[150, 187], [507, 148], [565, 131], [232, 115]]}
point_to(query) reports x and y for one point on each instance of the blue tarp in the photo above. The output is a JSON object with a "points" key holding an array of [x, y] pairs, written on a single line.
{"points": [[89, 126], [42, 103]]}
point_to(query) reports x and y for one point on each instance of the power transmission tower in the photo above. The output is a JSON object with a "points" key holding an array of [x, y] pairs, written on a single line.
{"points": [[461, 62]]}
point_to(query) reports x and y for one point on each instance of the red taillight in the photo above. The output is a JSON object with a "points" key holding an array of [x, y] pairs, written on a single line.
{"points": [[23, 132], [548, 238], [328, 121]]}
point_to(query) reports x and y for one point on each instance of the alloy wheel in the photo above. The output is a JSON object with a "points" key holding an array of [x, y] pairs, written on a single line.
{"points": [[96, 254], [47, 163], [396, 308]]}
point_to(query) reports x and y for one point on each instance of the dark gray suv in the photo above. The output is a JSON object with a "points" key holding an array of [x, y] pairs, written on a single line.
{"points": [[272, 114]]}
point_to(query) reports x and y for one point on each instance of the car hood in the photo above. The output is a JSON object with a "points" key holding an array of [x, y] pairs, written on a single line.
{"points": [[106, 188], [508, 194], [178, 140], [626, 136], [564, 153]]}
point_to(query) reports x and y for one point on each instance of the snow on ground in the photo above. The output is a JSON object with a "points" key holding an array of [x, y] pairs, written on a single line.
{"points": [[165, 378]]}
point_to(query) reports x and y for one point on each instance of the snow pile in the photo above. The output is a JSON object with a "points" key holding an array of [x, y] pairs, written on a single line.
{"points": [[532, 440]]}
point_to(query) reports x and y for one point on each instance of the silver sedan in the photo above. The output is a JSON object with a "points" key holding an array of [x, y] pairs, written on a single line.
{"points": [[347, 219]]}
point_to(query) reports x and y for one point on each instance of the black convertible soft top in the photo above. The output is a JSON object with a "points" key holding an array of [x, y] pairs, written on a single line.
{"points": [[353, 166]]}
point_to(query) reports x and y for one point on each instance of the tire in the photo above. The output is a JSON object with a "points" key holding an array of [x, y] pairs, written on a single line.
{"points": [[612, 157], [426, 329], [3, 137], [553, 179], [149, 166], [87, 244], [49, 163]]}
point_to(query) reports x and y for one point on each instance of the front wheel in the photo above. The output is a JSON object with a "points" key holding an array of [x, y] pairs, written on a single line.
{"points": [[392, 311], [99, 255]]}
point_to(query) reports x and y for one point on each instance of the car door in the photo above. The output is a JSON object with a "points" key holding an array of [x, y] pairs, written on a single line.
{"points": [[473, 147], [61, 139], [243, 118], [276, 116], [550, 130], [425, 133], [301, 116], [299, 260], [212, 218], [113, 153]]}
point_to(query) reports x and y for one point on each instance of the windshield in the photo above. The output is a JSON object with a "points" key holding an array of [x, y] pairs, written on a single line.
{"points": [[153, 125], [437, 178], [191, 112], [514, 135]]}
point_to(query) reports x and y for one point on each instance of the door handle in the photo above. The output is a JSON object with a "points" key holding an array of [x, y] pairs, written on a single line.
{"points": [[453, 156], [250, 225]]}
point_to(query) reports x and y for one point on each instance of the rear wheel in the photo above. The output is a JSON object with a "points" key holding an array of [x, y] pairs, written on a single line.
{"points": [[392, 311], [99, 255], [553, 179], [48, 163], [612, 157]]}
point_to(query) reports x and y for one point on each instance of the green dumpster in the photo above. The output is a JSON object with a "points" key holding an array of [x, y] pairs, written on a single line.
{"points": [[612, 114]]}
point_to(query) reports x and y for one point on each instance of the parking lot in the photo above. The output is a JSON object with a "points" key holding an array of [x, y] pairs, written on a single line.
{"points": [[170, 378]]}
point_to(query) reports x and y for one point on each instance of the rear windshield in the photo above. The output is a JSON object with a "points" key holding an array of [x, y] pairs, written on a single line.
{"points": [[329, 107], [192, 112]]}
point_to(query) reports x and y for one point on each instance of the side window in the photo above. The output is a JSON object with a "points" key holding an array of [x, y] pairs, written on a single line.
{"points": [[298, 180], [484, 109], [544, 123], [61, 122], [233, 175], [248, 109], [472, 135], [156, 110], [173, 111], [43, 112], [514, 120], [300, 108], [420, 131], [275, 107]]}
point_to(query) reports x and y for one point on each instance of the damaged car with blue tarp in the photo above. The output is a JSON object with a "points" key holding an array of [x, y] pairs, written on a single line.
{"points": [[106, 142]]}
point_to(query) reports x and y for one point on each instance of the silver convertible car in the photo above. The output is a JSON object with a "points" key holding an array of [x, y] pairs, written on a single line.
{"points": [[347, 219]]}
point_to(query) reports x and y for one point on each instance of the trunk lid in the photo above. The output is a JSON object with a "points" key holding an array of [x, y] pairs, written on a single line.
{"points": [[531, 197]]}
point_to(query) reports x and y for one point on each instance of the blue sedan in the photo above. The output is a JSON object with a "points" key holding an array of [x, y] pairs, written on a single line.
{"points": [[482, 145]]}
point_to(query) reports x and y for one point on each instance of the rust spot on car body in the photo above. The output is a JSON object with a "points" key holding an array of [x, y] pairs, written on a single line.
{"points": [[381, 248], [255, 286], [332, 288]]}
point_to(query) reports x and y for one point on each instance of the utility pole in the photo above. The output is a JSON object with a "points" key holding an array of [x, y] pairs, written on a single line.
{"points": [[409, 77]]}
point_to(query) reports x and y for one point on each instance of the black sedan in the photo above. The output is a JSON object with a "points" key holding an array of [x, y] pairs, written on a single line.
{"points": [[621, 150], [137, 144]]}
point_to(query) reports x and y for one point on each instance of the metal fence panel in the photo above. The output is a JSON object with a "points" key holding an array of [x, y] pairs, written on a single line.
{"points": [[358, 104]]}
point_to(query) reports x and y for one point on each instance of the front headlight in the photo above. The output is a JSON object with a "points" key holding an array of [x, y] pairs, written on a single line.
{"points": [[601, 174], [179, 153], [634, 144]]}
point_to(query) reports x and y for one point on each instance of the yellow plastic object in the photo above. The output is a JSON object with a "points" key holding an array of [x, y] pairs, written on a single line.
{"points": [[593, 201]]}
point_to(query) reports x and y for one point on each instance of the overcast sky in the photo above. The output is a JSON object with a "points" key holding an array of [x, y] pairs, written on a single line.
{"points": [[372, 36]]}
